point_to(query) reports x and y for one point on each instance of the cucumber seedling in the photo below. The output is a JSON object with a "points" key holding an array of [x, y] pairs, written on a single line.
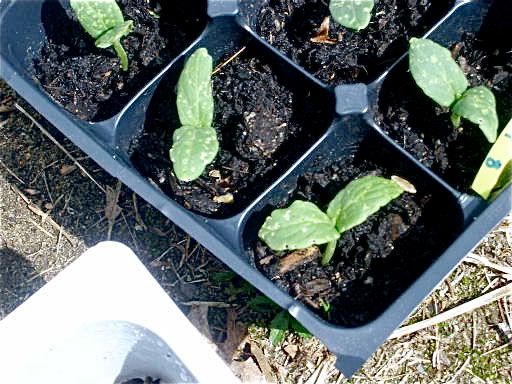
{"points": [[104, 21], [440, 78], [195, 143], [304, 224], [353, 14]]}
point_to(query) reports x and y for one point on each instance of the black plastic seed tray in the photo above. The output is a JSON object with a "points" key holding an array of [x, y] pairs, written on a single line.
{"points": [[460, 219]]}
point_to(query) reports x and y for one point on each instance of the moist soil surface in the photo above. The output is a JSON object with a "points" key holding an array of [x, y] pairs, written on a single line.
{"points": [[88, 81], [262, 126], [348, 56], [424, 128], [375, 261]]}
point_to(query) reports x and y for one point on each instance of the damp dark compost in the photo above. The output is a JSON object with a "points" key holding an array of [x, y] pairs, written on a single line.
{"points": [[88, 81], [375, 261], [345, 56], [424, 129], [263, 124]]}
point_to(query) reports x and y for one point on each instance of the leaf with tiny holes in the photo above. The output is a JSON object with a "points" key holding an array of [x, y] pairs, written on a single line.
{"points": [[435, 71], [478, 105], [299, 226], [195, 97], [360, 199], [192, 150], [353, 14]]}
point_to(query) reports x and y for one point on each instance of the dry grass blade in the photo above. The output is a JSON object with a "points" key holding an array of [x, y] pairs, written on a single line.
{"points": [[11, 172], [483, 261], [112, 210], [263, 363], [222, 65], [44, 216], [59, 145], [322, 35], [454, 312]]}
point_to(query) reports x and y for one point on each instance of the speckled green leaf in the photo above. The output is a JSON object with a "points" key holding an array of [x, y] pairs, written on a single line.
{"points": [[195, 98], [192, 150], [478, 105], [114, 34], [299, 226], [97, 16], [353, 14], [435, 71], [360, 199]]}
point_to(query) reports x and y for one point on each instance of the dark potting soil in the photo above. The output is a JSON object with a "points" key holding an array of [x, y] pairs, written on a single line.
{"points": [[88, 81], [375, 261], [423, 128], [351, 56], [262, 126]]}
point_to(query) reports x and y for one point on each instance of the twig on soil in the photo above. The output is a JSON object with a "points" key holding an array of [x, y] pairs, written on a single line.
{"points": [[60, 146], [33, 222], [479, 260], [44, 216], [454, 312], [11, 172], [222, 65], [459, 371], [217, 304]]}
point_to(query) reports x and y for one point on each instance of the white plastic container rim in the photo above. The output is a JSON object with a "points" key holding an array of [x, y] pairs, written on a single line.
{"points": [[104, 320]]}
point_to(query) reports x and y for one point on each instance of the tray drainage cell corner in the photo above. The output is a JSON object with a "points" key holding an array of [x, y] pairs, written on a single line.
{"points": [[266, 116], [374, 262]]}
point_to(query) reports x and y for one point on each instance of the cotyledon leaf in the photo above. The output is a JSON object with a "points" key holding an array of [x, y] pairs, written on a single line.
{"points": [[478, 105], [360, 199], [299, 226], [353, 14], [195, 98], [114, 34], [192, 150], [435, 71], [97, 16]]}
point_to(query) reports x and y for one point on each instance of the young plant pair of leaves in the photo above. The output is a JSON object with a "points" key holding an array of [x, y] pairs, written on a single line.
{"points": [[303, 224], [440, 77], [195, 144], [353, 14], [104, 21]]}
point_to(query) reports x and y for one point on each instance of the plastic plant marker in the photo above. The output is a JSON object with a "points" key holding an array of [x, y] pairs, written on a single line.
{"points": [[299, 226], [494, 164], [478, 105], [353, 14], [360, 199], [104, 21], [435, 71], [195, 144]]}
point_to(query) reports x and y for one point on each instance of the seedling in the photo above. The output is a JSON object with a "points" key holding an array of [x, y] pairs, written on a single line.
{"points": [[195, 144], [104, 21], [496, 170], [353, 14], [303, 224], [440, 77], [283, 322]]}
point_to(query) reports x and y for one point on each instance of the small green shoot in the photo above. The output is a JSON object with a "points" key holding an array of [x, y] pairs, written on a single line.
{"points": [[440, 77], [195, 144], [495, 170], [283, 322], [104, 21], [278, 327], [303, 224], [353, 14], [325, 305]]}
